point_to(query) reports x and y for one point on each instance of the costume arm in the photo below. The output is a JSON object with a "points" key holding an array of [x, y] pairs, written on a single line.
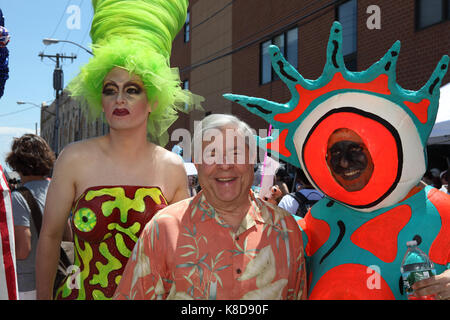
{"points": [[300, 288]]}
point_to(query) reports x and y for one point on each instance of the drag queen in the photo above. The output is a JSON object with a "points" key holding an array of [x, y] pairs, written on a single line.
{"points": [[112, 185]]}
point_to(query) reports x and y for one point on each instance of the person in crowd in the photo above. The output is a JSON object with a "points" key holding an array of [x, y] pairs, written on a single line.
{"points": [[299, 202], [192, 185], [33, 159], [279, 188], [281, 177], [436, 178], [13, 180], [427, 178], [224, 243], [444, 180], [8, 268], [114, 184], [274, 196], [360, 139]]}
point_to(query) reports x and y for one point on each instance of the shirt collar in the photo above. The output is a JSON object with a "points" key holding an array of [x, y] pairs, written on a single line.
{"points": [[200, 211]]}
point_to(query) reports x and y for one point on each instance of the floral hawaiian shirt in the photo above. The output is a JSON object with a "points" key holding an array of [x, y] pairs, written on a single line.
{"points": [[187, 252]]}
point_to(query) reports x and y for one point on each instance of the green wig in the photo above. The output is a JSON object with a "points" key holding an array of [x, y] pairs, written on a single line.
{"points": [[137, 35]]}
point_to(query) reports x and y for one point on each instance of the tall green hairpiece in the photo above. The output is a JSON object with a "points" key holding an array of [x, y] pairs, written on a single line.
{"points": [[137, 35]]}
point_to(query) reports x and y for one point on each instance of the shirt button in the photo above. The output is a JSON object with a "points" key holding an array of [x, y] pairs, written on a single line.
{"points": [[237, 238], [238, 271]]}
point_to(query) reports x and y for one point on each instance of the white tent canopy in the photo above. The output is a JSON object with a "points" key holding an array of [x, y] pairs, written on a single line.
{"points": [[441, 130], [190, 169]]}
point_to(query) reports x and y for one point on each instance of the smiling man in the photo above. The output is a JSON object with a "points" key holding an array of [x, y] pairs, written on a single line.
{"points": [[348, 159], [224, 243]]}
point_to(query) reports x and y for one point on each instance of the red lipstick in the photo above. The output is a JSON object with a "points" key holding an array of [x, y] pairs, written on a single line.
{"points": [[120, 112]]}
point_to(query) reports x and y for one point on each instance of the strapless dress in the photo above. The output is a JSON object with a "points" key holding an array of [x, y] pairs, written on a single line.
{"points": [[106, 223]]}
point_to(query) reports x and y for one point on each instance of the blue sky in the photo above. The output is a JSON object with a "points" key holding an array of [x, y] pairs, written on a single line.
{"points": [[30, 79]]}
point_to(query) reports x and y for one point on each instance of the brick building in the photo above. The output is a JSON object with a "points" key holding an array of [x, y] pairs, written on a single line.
{"points": [[223, 45], [74, 125]]}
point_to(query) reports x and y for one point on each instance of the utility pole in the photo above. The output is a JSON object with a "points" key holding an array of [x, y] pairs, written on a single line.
{"points": [[58, 85]]}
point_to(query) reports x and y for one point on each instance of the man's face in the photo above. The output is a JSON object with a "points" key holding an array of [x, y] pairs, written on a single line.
{"points": [[349, 160], [225, 172]]}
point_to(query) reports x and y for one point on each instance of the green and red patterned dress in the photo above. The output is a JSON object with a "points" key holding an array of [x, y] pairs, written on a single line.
{"points": [[106, 223]]}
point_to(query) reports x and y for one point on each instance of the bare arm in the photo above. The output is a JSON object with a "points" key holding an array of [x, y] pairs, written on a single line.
{"points": [[22, 237], [60, 196], [177, 179], [67, 236], [181, 181]]}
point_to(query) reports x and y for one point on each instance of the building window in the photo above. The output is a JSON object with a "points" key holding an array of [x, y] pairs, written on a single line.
{"points": [[448, 9], [266, 67], [288, 44], [347, 16], [186, 87], [292, 47], [187, 27], [431, 12]]}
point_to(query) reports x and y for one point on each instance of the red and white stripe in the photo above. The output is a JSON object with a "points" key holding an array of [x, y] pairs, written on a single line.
{"points": [[8, 275]]}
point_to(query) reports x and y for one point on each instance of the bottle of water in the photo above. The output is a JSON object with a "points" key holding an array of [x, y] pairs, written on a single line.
{"points": [[416, 266]]}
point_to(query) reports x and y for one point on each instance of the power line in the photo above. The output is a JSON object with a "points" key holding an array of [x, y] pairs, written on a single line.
{"points": [[199, 64], [213, 15], [15, 112], [262, 30], [60, 19], [84, 38]]}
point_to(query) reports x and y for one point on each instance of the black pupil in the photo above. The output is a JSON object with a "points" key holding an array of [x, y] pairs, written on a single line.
{"points": [[85, 219]]}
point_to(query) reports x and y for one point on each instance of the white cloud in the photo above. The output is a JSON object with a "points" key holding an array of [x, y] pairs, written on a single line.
{"points": [[17, 132]]}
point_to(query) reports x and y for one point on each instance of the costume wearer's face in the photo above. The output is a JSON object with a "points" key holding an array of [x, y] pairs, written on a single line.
{"points": [[225, 172], [124, 99], [349, 160]]}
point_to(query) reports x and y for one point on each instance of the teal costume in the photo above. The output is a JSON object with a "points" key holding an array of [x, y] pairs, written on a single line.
{"points": [[355, 240]]}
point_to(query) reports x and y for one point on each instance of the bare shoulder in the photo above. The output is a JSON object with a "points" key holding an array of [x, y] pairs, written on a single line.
{"points": [[77, 155], [172, 175], [169, 159], [77, 160]]}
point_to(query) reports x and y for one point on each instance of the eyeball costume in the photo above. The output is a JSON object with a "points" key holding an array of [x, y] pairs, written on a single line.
{"points": [[135, 35], [355, 241]]}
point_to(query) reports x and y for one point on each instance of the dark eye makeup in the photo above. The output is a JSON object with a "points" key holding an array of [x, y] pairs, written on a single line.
{"points": [[130, 88]]}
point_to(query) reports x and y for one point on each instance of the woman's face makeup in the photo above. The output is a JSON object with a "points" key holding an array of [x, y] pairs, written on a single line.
{"points": [[124, 98]]}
